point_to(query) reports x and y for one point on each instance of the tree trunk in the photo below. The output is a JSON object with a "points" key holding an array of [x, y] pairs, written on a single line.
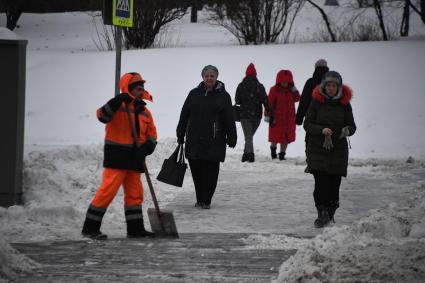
{"points": [[194, 14], [325, 18], [405, 21], [380, 15]]}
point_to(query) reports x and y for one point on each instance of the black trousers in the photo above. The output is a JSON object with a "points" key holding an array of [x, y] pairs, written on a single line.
{"points": [[205, 176], [326, 189]]}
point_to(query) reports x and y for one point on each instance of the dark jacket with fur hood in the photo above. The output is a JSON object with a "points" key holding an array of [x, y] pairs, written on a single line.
{"points": [[325, 112]]}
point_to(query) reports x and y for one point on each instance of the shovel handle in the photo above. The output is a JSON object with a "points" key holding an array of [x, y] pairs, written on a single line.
{"points": [[148, 178]]}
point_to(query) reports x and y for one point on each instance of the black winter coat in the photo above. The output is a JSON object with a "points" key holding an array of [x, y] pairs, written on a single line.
{"points": [[333, 114], [251, 95], [305, 100], [207, 121]]}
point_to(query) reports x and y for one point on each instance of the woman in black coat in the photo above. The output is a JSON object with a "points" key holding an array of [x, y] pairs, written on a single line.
{"points": [[207, 121], [328, 123]]}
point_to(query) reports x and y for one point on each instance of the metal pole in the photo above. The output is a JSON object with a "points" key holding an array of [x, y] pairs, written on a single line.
{"points": [[118, 46]]}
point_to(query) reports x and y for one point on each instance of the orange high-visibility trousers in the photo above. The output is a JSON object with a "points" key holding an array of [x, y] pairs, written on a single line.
{"points": [[112, 180]]}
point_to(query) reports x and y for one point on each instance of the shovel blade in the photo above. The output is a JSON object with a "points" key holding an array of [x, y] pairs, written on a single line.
{"points": [[163, 226]]}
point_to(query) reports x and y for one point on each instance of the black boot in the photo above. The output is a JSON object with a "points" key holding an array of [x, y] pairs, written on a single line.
{"points": [[322, 217], [135, 225], [92, 223], [273, 152], [333, 206], [244, 157], [282, 155], [250, 157]]}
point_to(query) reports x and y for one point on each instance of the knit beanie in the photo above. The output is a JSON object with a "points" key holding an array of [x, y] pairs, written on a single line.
{"points": [[321, 63], [251, 71], [208, 68]]}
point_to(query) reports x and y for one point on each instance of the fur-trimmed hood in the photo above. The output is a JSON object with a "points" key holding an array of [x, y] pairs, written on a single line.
{"points": [[347, 94]]}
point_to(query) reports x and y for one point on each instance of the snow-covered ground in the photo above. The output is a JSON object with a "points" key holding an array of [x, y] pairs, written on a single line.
{"points": [[67, 79]]}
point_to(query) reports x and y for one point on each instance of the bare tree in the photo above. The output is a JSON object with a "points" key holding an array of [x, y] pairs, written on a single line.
{"points": [[294, 15], [14, 8], [325, 18], [421, 11], [380, 15], [253, 21], [149, 17], [405, 20]]}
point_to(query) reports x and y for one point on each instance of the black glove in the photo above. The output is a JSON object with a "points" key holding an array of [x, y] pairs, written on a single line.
{"points": [[231, 142], [124, 97], [299, 120], [139, 105], [180, 140], [148, 147], [116, 102]]}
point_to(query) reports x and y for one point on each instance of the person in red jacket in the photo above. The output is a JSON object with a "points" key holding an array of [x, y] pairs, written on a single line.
{"points": [[282, 98], [123, 160]]}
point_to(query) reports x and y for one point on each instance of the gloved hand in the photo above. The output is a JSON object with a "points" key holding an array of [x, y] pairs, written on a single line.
{"points": [[299, 120], [294, 89], [180, 140], [345, 132], [270, 119], [124, 97], [327, 144], [139, 105], [231, 142], [115, 103], [146, 149]]}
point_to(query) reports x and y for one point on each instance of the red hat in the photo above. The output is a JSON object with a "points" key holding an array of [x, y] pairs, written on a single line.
{"points": [[250, 71]]}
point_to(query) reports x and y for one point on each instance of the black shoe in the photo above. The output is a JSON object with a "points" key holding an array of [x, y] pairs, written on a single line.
{"points": [[94, 235], [198, 204], [332, 207], [273, 152], [250, 157], [206, 206], [244, 157], [282, 155], [322, 217], [141, 234]]}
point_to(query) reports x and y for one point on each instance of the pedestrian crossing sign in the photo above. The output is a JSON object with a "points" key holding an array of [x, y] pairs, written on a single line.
{"points": [[122, 13]]}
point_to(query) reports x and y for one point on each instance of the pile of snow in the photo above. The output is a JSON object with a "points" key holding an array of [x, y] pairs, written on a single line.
{"points": [[12, 262], [386, 246], [58, 186]]}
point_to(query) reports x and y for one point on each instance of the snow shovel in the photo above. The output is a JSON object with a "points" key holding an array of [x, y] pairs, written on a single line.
{"points": [[162, 221]]}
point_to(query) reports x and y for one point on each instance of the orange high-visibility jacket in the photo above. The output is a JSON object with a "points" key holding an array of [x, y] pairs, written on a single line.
{"points": [[120, 151]]}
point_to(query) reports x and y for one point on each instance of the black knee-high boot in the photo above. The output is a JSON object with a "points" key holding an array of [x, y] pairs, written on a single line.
{"points": [[273, 152], [322, 217], [333, 206], [92, 223], [135, 225]]}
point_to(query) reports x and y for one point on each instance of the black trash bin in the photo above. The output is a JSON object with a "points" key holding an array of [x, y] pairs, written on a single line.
{"points": [[12, 115]]}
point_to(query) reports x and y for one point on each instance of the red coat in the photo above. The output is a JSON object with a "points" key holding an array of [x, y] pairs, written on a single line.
{"points": [[282, 103]]}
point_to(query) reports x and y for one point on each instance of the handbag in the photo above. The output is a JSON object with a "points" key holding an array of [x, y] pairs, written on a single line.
{"points": [[173, 168], [237, 112]]}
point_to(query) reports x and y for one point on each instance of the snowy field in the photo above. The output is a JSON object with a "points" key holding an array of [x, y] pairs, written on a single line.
{"points": [[379, 235]]}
